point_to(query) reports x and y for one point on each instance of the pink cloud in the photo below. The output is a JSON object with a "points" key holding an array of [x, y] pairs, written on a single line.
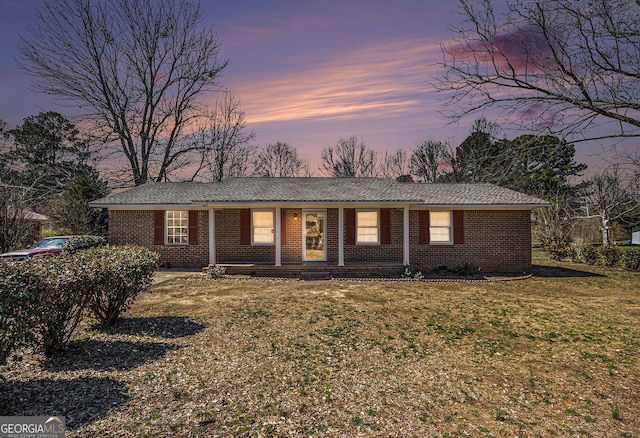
{"points": [[524, 50], [387, 78]]}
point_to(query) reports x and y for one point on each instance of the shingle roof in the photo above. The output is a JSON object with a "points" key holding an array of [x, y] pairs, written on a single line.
{"points": [[317, 190], [169, 193]]}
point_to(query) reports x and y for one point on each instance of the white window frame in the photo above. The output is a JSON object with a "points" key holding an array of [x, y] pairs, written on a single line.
{"points": [[449, 228], [167, 227], [377, 212], [273, 228]]}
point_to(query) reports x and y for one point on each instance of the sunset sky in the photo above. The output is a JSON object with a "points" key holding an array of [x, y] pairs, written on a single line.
{"points": [[305, 72]]}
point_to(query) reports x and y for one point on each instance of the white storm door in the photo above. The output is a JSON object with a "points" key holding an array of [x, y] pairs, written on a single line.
{"points": [[314, 230]]}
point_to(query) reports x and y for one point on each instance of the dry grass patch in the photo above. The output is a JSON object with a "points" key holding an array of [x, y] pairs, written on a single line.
{"points": [[553, 355]]}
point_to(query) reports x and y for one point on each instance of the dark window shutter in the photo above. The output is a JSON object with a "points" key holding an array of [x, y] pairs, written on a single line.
{"points": [[158, 227], [458, 227], [425, 236], [245, 227], [283, 227], [385, 226], [349, 226], [193, 227]]}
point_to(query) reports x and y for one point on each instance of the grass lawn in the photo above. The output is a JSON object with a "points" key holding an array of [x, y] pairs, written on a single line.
{"points": [[554, 355]]}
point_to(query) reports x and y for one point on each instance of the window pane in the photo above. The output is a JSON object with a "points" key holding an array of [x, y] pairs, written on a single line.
{"points": [[176, 227], [367, 222], [263, 219], [439, 234], [263, 227], [262, 235], [440, 218], [367, 219], [368, 235]]}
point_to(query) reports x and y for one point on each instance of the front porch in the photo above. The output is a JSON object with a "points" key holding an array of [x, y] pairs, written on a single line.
{"points": [[308, 239], [315, 270]]}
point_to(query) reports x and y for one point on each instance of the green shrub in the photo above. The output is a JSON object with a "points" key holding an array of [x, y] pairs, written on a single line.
{"points": [[64, 298], [43, 299], [77, 243], [555, 239], [610, 255], [412, 272], [47, 297], [121, 274], [17, 326], [216, 272], [559, 250], [630, 259], [589, 254], [466, 270]]}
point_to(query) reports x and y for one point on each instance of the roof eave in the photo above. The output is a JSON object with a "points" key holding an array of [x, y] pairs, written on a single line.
{"points": [[469, 206], [232, 204], [141, 206]]}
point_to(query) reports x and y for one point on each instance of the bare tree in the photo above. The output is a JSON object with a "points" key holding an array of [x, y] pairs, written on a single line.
{"points": [[554, 225], [611, 197], [429, 160], [15, 229], [562, 65], [396, 165], [280, 159], [348, 159], [224, 143], [137, 67]]}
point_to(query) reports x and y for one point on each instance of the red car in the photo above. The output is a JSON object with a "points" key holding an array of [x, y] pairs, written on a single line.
{"points": [[45, 247]]}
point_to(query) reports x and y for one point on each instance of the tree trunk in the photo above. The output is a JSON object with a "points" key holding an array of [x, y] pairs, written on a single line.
{"points": [[605, 229]]}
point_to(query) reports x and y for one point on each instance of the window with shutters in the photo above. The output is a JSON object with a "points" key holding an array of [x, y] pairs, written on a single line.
{"points": [[367, 227], [440, 227], [176, 227], [262, 227]]}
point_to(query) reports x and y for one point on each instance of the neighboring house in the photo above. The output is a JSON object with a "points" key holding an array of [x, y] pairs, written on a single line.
{"points": [[336, 225], [36, 223], [635, 235]]}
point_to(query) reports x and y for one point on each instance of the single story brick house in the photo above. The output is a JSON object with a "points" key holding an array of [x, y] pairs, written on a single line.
{"points": [[335, 225]]}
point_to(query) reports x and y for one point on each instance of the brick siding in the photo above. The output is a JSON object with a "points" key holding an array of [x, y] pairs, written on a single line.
{"points": [[135, 227], [291, 251], [494, 240], [228, 247], [379, 253]]}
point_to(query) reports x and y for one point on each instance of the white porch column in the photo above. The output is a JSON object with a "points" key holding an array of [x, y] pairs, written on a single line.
{"points": [[341, 236], [212, 236], [405, 237], [277, 237]]}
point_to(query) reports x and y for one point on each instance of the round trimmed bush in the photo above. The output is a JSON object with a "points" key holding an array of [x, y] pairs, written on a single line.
{"points": [[630, 259], [610, 255], [121, 274], [589, 254]]}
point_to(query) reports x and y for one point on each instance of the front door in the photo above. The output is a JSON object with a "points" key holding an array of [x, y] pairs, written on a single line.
{"points": [[313, 231]]}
